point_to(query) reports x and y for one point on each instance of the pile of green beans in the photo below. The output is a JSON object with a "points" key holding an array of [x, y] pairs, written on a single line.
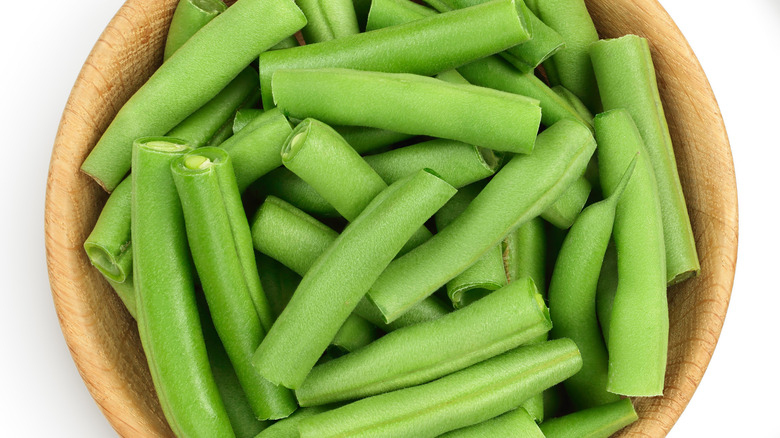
{"points": [[404, 231]]}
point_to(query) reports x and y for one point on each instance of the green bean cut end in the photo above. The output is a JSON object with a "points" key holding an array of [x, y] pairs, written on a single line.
{"points": [[209, 6], [200, 160], [464, 297], [103, 260], [197, 162], [296, 140], [492, 159], [163, 144]]}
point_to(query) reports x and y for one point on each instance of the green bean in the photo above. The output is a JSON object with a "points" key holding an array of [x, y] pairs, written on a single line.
{"points": [[533, 182], [424, 47], [244, 116], [190, 78], [108, 245], [624, 69], [288, 186], [242, 418], [288, 428], [387, 13], [328, 20], [126, 292], [574, 101], [364, 140], [168, 321], [484, 276], [470, 396], [332, 287], [571, 66], [221, 246], [424, 352], [452, 76], [287, 43], [639, 324], [426, 310], [573, 297], [199, 127], [555, 401], [605, 290], [597, 422], [255, 150], [564, 211], [459, 164], [189, 17], [516, 423], [474, 115], [279, 282], [223, 133], [355, 333]]}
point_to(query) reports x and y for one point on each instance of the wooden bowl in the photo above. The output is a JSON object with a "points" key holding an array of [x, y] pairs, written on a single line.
{"points": [[102, 336]]}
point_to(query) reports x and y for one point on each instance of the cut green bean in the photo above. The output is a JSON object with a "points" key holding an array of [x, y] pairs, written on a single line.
{"points": [[424, 47], [639, 325], [597, 422], [332, 287], [287, 43], [475, 115], [328, 20], [255, 150], [288, 428], [168, 321], [575, 102], [427, 351], [279, 282], [108, 246], [573, 297], [564, 211], [223, 133], [355, 333], [190, 78], [605, 291], [189, 17], [221, 246], [289, 187], [243, 117], [484, 276], [571, 66], [516, 423], [319, 155], [533, 182], [458, 163], [453, 77], [199, 127], [365, 140], [624, 69], [467, 397], [126, 292]]}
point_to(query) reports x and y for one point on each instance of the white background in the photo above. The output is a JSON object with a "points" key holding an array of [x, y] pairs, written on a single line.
{"points": [[42, 47]]}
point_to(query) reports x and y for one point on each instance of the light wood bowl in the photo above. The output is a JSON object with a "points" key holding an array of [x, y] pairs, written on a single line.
{"points": [[102, 336]]}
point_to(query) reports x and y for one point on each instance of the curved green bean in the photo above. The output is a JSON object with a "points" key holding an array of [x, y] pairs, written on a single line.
{"points": [[516, 423], [597, 422], [470, 396], [332, 287], [475, 115], [190, 78], [564, 211], [221, 247], [624, 69], [533, 182], [328, 20], [189, 17], [168, 321], [639, 324], [424, 352], [424, 47], [573, 296]]}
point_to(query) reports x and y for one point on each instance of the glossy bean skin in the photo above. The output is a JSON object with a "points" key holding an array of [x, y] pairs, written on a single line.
{"points": [[339, 278], [424, 47], [168, 321], [573, 297], [467, 397], [328, 20], [624, 69], [597, 422], [189, 17], [639, 323], [562, 152], [191, 77]]}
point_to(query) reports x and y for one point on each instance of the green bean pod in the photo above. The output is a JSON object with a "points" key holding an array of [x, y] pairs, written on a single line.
{"points": [[624, 69], [279, 282], [639, 324], [297, 240], [328, 20], [424, 47], [168, 321], [475, 115], [355, 333], [573, 297], [564, 211], [288, 428], [427, 351], [467, 397], [484, 276], [285, 185], [596, 422], [108, 246], [223, 133], [243, 117], [332, 287], [126, 293], [190, 78], [605, 290], [459, 164], [365, 140], [533, 182], [387, 13], [571, 66], [255, 150], [188, 18], [574, 101], [221, 246], [199, 127], [516, 423]]}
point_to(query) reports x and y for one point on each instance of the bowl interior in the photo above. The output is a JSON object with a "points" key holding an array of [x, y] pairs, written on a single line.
{"points": [[102, 336]]}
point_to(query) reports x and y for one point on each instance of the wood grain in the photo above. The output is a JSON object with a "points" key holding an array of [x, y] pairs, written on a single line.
{"points": [[103, 339]]}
